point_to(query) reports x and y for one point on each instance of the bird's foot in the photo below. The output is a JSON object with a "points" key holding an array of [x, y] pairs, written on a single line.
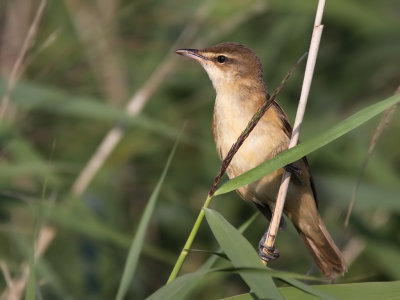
{"points": [[267, 253], [296, 171]]}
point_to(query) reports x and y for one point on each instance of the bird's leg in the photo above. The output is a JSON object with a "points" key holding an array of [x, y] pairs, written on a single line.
{"points": [[267, 253], [296, 171]]}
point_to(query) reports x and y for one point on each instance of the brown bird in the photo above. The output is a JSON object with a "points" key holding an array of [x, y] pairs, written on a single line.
{"points": [[237, 76]]}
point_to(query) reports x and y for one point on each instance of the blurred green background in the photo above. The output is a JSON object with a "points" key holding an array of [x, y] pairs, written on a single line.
{"points": [[88, 59]]}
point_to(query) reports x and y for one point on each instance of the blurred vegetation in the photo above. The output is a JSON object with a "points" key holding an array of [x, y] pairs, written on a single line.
{"points": [[88, 59]]}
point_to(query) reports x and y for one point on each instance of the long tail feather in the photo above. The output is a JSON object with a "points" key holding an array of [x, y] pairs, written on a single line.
{"points": [[324, 252]]}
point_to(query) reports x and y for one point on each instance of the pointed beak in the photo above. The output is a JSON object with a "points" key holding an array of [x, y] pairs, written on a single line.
{"points": [[191, 53]]}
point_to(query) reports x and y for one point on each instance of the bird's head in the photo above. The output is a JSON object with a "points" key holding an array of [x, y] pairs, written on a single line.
{"points": [[229, 65]]}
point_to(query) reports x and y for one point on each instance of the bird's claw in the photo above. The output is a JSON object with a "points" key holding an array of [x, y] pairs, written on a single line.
{"points": [[268, 253], [265, 252]]}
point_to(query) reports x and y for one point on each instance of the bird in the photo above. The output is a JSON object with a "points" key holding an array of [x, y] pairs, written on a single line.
{"points": [[236, 73]]}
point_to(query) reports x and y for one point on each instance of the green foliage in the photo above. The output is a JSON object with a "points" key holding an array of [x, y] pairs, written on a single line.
{"points": [[137, 243], [77, 78], [241, 254], [364, 291]]}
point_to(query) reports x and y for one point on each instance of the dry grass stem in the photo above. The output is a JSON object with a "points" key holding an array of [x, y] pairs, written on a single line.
{"points": [[17, 20], [312, 57], [383, 123], [18, 65], [6, 273], [354, 247], [46, 235], [15, 287], [96, 29]]}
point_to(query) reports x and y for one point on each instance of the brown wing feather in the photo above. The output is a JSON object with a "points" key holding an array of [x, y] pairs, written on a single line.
{"points": [[287, 128]]}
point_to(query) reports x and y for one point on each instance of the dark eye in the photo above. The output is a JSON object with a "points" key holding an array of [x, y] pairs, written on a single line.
{"points": [[221, 59]]}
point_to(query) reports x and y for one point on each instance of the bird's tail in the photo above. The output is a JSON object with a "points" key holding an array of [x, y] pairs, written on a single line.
{"points": [[324, 252]]}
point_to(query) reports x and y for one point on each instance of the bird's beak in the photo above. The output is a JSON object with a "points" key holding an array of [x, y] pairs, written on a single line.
{"points": [[191, 53]]}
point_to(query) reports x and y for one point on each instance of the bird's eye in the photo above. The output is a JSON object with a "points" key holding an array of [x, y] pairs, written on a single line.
{"points": [[221, 59]]}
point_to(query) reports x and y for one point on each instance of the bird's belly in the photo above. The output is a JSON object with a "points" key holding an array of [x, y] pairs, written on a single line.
{"points": [[265, 141]]}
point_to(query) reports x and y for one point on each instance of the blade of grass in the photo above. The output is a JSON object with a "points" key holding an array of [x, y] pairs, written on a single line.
{"points": [[383, 123], [137, 243], [82, 223], [309, 146], [32, 96], [175, 289], [364, 291], [178, 288], [242, 255], [189, 286], [310, 290], [273, 273], [19, 63], [31, 282]]}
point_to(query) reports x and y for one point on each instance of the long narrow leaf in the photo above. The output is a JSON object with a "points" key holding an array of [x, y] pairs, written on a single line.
{"points": [[137, 243], [30, 96], [241, 254], [190, 285], [309, 146], [178, 288], [31, 283], [175, 290], [354, 291]]}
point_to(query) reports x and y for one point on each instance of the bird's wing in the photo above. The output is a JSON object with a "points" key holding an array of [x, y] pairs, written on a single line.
{"points": [[287, 128]]}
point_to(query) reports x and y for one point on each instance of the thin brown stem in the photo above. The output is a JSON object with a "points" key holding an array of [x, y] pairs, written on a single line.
{"points": [[18, 65], [383, 123]]}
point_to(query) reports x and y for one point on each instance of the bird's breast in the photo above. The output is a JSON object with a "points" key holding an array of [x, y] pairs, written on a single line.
{"points": [[231, 116]]}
